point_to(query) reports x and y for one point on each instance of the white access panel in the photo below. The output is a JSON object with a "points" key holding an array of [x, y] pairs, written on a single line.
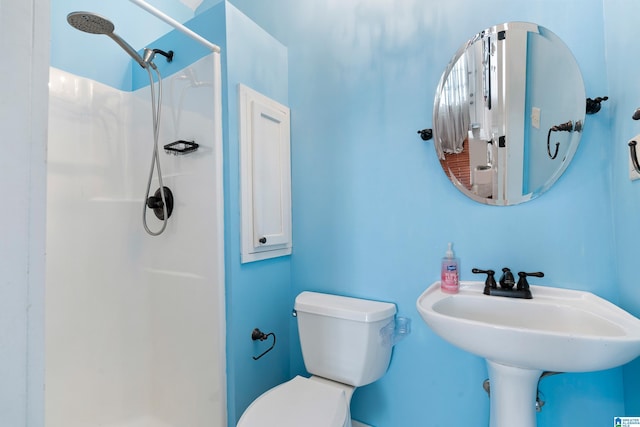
{"points": [[265, 176]]}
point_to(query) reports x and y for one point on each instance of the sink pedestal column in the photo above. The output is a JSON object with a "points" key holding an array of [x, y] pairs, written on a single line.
{"points": [[513, 395]]}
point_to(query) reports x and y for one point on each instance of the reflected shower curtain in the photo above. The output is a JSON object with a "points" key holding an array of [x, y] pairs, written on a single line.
{"points": [[451, 118]]}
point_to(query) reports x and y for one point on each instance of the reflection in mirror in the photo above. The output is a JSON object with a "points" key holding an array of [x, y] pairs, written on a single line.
{"points": [[508, 113]]}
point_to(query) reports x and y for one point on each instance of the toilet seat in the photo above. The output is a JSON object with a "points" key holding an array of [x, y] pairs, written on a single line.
{"points": [[298, 402]]}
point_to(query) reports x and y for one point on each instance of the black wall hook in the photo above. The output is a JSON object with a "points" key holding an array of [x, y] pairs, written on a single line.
{"points": [[426, 134], [257, 334], [594, 105]]}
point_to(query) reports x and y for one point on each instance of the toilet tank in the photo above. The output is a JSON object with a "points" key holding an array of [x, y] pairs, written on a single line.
{"points": [[345, 339]]}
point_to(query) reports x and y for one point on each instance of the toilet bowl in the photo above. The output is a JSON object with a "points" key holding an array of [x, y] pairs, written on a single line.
{"points": [[482, 181], [299, 402], [346, 343]]}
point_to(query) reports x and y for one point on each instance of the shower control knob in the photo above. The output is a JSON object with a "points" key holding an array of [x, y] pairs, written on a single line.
{"points": [[155, 203], [263, 240]]}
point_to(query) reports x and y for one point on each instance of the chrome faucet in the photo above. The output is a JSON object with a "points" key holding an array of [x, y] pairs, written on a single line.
{"points": [[508, 286]]}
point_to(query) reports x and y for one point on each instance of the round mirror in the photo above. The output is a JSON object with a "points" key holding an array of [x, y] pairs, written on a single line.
{"points": [[508, 113]]}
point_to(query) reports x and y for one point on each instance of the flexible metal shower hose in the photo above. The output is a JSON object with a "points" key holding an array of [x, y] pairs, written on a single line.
{"points": [[156, 109]]}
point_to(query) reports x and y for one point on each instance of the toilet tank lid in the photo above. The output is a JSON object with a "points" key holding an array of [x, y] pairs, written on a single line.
{"points": [[341, 307]]}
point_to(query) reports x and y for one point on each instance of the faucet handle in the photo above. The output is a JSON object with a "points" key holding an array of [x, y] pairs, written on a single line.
{"points": [[507, 280], [490, 282], [522, 281]]}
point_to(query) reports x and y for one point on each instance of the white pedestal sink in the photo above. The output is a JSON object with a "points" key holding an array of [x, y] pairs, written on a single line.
{"points": [[559, 330]]}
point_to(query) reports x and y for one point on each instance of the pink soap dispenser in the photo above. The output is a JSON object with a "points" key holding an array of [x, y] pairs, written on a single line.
{"points": [[449, 280]]}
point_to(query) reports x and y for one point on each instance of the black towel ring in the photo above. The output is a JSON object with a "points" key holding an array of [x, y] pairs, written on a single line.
{"points": [[564, 127], [554, 155], [634, 155]]}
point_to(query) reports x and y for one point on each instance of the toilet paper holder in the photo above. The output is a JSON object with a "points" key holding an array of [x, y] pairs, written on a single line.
{"points": [[257, 334]]}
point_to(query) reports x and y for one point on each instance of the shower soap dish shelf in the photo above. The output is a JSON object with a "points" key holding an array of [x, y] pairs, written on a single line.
{"points": [[181, 147]]}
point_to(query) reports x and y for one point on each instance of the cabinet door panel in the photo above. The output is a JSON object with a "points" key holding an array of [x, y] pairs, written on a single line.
{"points": [[265, 176]]}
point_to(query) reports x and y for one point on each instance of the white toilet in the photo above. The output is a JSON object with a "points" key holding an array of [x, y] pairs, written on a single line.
{"points": [[346, 343]]}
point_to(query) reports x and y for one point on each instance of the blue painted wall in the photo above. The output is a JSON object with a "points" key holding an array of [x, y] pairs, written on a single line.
{"points": [[258, 293], [373, 211], [624, 90]]}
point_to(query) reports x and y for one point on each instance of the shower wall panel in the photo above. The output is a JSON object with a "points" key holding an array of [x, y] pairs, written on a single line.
{"points": [[134, 323], [186, 289], [97, 340]]}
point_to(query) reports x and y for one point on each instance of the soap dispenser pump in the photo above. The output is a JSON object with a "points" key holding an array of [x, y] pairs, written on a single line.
{"points": [[449, 279]]}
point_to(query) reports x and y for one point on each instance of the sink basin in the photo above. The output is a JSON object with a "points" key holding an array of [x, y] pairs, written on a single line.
{"points": [[559, 330]]}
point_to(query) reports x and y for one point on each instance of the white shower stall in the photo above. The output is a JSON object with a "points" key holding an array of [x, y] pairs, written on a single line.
{"points": [[135, 324]]}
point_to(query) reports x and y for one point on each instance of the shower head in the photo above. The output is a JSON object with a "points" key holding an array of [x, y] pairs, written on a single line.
{"points": [[90, 23], [93, 23]]}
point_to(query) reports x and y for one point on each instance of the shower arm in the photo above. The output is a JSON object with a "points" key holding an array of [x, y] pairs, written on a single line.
{"points": [[168, 55], [149, 54]]}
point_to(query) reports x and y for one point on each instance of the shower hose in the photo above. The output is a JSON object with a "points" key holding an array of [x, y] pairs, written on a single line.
{"points": [[156, 109]]}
